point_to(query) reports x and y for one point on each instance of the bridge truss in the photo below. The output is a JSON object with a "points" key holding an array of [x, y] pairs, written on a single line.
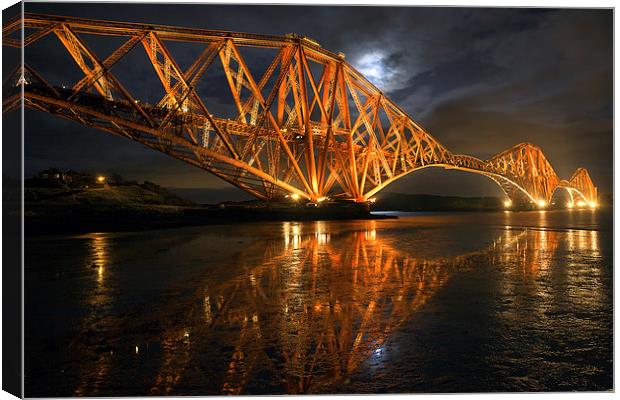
{"points": [[305, 123]]}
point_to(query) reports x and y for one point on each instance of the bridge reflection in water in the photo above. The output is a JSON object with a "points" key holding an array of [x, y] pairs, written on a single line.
{"points": [[331, 307], [304, 311]]}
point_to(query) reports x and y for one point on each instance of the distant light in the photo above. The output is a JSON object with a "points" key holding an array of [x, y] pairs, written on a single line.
{"points": [[137, 350], [507, 203], [542, 203], [295, 196], [101, 179], [570, 204], [593, 204], [581, 203], [372, 200], [320, 199]]}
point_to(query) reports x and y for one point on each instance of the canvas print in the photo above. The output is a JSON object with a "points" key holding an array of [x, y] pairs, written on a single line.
{"points": [[233, 199]]}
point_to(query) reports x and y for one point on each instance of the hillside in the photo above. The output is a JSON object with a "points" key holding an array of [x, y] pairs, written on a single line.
{"points": [[129, 195], [116, 205]]}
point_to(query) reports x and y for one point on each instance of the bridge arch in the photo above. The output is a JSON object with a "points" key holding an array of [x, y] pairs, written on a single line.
{"points": [[511, 190], [577, 199]]}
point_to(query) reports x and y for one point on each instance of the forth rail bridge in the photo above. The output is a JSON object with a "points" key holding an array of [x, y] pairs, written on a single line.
{"points": [[305, 124]]}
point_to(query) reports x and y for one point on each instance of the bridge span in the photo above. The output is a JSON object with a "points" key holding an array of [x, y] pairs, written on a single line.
{"points": [[305, 123]]}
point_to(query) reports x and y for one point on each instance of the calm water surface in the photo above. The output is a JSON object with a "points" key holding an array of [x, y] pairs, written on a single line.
{"points": [[426, 303]]}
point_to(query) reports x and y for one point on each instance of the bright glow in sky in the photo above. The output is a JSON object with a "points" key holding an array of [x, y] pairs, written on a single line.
{"points": [[373, 66]]}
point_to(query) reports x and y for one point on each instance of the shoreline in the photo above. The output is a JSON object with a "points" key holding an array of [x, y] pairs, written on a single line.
{"points": [[127, 221]]}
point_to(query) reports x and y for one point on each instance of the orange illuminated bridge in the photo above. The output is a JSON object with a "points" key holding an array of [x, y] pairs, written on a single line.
{"points": [[277, 116]]}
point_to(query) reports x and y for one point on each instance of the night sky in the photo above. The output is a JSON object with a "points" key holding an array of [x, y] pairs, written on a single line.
{"points": [[479, 79]]}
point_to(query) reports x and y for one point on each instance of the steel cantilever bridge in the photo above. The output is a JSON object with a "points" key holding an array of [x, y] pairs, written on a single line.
{"points": [[305, 124]]}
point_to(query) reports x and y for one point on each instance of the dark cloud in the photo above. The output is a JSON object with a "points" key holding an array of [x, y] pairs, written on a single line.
{"points": [[479, 79]]}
